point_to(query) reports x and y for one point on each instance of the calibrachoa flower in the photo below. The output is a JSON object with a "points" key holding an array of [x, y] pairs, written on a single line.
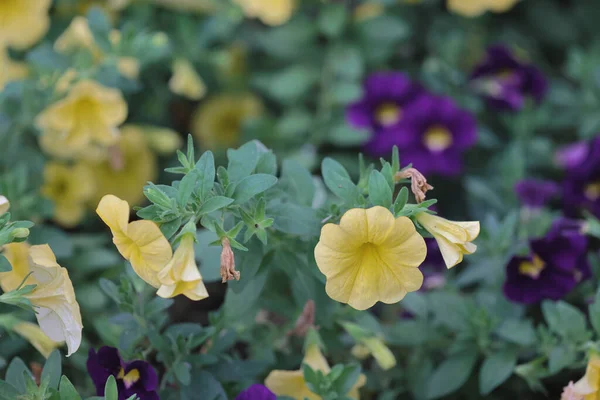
{"points": [[34, 335], [588, 387], [581, 187], [433, 136], [453, 237], [270, 12], [256, 392], [387, 95], [23, 22], [89, 115], [186, 81], [369, 257], [474, 8], [535, 193], [505, 81], [292, 383], [572, 155], [134, 377], [69, 187], [557, 262], [53, 297]]}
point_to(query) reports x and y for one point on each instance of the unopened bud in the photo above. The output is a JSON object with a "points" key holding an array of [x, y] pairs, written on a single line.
{"points": [[4, 204], [20, 233], [228, 271]]}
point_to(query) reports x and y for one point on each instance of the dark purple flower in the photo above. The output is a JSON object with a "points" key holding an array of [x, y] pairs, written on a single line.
{"points": [[535, 193], [582, 183], [135, 377], [557, 262], [572, 155], [506, 81], [256, 392]]}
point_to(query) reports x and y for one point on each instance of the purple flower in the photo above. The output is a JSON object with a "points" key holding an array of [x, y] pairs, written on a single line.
{"points": [[135, 377], [433, 266], [256, 392], [572, 155], [534, 193], [582, 183], [506, 81], [557, 262]]}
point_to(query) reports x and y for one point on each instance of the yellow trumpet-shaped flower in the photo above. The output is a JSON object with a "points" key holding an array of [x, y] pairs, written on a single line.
{"points": [[292, 383], [140, 242], [70, 188], [181, 275], [89, 115], [589, 386], [453, 238], [186, 81], [10, 70], [4, 204], [370, 256], [34, 335], [270, 12], [474, 8], [382, 354], [53, 297], [23, 22]]}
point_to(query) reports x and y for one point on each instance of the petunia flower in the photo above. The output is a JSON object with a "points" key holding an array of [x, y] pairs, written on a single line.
{"points": [[53, 298], [474, 8], [581, 187], [270, 12], [34, 335], [292, 383], [369, 257], [588, 387], [10, 70], [23, 22], [556, 264], [89, 115], [140, 242], [181, 275], [506, 82], [70, 188], [256, 392], [535, 193], [133, 378], [453, 238], [186, 81]]}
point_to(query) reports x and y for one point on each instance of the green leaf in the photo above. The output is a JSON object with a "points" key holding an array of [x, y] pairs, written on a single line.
{"points": [[451, 374], [110, 289], [252, 185], [289, 84], [15, 374], [294, 219], [332, 19], [182, 373], [299, 180], [4, 264], [517, 331], [242, 161], [594, 312], [214, 204], [380, 193], [338, 180], [401, 200], [67, 390], [52, 370], [186, 188], [169, 228], [345, 135], [110, 389], [496, 369], [384, 29], [206, 170], [561, 357], [565, 320], [58, 240], [8, 391]]}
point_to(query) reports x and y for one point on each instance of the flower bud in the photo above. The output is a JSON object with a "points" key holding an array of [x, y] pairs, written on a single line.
{"points": [[20, 233]]}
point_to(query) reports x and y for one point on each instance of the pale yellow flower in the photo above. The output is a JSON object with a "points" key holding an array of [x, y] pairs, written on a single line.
{"points": [[129, 67], [140, 242], [53, 297], [370, 256], [77, 36], [70, 188], [4, 205], [270, 12], [18, 255], [163, 141], [217, 122], [10, 70], [181, 275], [129, 165], [453, 238], [89, 115], [23, 22], [368, 10], [186, 81], [382, 354], [34, 335], [589, 385], [474, 8]]}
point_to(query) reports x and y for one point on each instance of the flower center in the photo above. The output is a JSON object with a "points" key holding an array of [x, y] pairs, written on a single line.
{"points": [[130, 378], [437, 138], [505, 74], [592, 191], [532, 268], [388, 114]]}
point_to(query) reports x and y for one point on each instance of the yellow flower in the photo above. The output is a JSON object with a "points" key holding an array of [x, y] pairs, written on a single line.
{"points": [[18, 255], [270, 12], [181, 275], [140, 242], [217, 122], [474, 8], [34, 335], [77, 36], [589, 385], [129, 67], [23, 22], [163, 141], [89, 115], [4, 205], [292, 384], [53, 297], [10, 70], [129, 166], [370, 257], [70, 188], [453, 238], [382, 354], [368, 10], [185, 80]]}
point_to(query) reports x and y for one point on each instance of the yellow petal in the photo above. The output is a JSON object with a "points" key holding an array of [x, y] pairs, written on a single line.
{"points": [[17, 255], [38, 339], [380, 224], [114, 212], [289, 383], [315, 359], [472, 228], [149, 250]]}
